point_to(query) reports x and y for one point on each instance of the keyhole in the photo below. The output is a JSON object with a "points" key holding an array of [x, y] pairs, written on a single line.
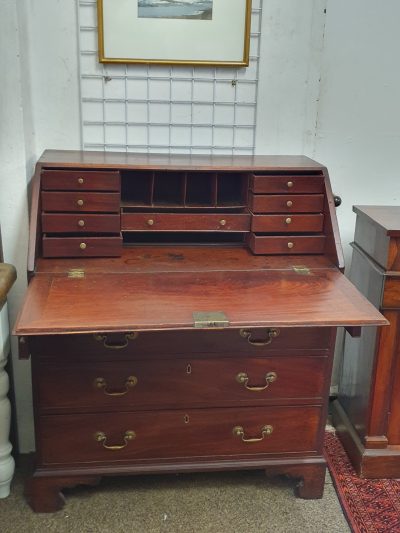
{"points": [[186, 419], [189, 369]]}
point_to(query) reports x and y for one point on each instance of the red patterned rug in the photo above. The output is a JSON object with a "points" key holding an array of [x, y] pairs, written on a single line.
{"points": [[370, 505]]}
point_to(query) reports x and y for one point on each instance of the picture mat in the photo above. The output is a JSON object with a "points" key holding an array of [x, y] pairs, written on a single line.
{"points": [[128, 37]]}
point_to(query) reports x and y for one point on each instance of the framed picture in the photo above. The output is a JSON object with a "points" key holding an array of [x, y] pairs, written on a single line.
{"points": [[187, 32]]}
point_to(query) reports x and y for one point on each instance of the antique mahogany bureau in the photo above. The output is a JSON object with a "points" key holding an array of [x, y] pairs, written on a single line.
{"points": [[367, 412], [181, 316]]}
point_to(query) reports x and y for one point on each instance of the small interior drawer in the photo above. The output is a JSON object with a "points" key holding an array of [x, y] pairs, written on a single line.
{"points": [[184, 222], [287, 184], [83, 246], [80, 180], [130, 436], [102, 202], [286, 203], [80, 223], [291, 244], [287, 223]]}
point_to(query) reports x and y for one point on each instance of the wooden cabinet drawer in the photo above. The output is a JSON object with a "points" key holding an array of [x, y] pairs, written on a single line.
{"points": [[80, 223], [287, 184], [184, 222], [81, 201], [282, 203], [287, 223], [80, 180], [177, 434], [157, 344], [82, 246], [186, 382], [292, 244]]}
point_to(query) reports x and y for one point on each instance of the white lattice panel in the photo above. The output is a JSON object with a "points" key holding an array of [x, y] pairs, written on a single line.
{"points": [[151, 108]]}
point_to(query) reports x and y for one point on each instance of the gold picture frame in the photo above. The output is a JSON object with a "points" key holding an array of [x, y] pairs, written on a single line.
{"points": [[121, 32]]}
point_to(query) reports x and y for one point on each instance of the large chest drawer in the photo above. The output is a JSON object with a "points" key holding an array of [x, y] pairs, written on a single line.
{"points": [[232, 342], [158, 435], [187, 382]]}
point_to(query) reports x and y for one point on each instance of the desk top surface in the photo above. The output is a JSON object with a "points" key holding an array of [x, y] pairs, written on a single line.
{"points": [[260, 295]]}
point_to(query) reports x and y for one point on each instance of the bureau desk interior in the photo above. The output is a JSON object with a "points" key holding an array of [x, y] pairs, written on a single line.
{"points": [[181, 316]]}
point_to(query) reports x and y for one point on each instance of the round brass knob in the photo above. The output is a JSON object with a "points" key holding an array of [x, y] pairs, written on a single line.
{"points": [[150, 222], [80, 181], [222, 222], [288, 220], [290, 245], [81, 223], [289, 203], [82, 246], [79, 202], [290, 184]]}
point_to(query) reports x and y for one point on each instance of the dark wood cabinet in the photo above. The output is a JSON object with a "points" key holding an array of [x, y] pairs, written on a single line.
{"points": [[182, 316], [367, 413]]}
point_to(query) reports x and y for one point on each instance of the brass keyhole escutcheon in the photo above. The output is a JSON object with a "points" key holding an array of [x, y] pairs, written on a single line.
{"points": [[290, 245], [189, 369], [79, 203], [222, 222], [289, 203], [81, 223], [82, 246], [288, 221], [186, 419], [150, 222], [80, 181]]}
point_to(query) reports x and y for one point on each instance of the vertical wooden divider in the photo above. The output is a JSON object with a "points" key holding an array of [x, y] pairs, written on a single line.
{"points": [[184, 188], [214, 190], [152, 188]]}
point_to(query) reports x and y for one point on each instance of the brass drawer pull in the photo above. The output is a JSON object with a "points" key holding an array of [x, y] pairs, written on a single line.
{"points": [[99, 436], [150, 222], [289, 203], [81, 223], [290, 184], [116, 346], [271, 334], [80, 181], [79, 203], [238, 431], [288, 220], [270, 377], [100, 383]]}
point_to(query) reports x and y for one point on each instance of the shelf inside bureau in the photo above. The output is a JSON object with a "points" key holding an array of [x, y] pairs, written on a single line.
{"points": [[183, 190]]}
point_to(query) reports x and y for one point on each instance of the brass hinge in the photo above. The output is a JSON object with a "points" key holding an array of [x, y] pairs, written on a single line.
{"points": [[210, 319], [301, 269], [76, 273]]}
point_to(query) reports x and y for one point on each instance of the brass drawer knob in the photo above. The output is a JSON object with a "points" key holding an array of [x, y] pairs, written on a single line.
{"points": [[100, 383], [81, 181], [150, 222], [290, 245], [115, 346], [289, 203], [271, 333], [222, 222], [266, 430], [243, 378], [82, 246], [288, 220], [79, 203], [289, 184], [81, 223], [99, 436]]}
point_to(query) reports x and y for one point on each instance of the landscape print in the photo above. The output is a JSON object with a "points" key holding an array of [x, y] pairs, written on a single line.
{"points": [[176, 9]]}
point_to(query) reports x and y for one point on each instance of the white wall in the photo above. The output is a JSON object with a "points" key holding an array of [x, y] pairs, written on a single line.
{"points": [[358, 127], [328, 87]]}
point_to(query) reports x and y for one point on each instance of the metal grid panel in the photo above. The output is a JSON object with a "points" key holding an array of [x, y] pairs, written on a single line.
{"points": [[166, 109]]}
